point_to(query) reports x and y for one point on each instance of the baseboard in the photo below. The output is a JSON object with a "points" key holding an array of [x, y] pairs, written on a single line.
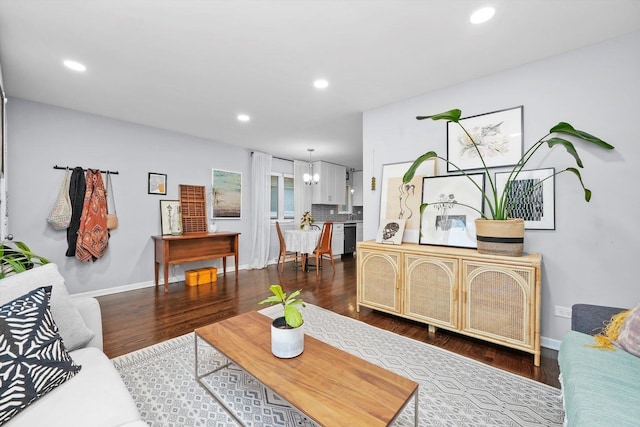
{"points": [[140, 285], [550, 343]]}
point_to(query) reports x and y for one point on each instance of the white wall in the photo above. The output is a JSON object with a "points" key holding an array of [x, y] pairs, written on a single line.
{"points": [[41, 136], [589, 258]]}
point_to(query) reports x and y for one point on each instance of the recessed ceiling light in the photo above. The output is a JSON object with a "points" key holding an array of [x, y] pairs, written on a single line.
{"points": [[243, 117], [74, 65], [321, 84], [482, 15]]}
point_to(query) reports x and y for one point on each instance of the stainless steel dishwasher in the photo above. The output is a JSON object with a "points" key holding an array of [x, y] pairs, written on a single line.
{"points": [[349, 237]]}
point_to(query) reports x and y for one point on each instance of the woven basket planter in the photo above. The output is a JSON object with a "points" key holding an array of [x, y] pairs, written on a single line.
{"points": [[500, 237]]}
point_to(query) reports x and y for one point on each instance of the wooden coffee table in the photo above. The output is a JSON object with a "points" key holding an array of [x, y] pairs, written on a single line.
{"points": [[330, 386]]}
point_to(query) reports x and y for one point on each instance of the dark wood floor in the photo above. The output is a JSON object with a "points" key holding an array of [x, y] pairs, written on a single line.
{"points": [[136, 319]]}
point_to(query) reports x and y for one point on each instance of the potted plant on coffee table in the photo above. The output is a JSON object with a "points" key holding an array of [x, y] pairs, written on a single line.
{"points": [[287, 336], [497, 232]]}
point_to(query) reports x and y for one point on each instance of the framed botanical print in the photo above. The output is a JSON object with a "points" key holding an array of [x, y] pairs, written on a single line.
{"points": [[454, 202], [498, 136], [170, 217], [532, 196]]}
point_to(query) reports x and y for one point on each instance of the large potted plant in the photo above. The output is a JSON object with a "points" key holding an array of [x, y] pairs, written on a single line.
{"points": [[497, 232], [287, 336], [17, 259]]}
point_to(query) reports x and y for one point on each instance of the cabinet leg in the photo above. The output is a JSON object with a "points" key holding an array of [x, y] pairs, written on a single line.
{"points": [[432, 329]]}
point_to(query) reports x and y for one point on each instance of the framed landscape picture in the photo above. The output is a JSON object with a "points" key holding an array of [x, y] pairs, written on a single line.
{"points": [[227, 194], [536, 208], [454, 203], [498, 136], [402, 201]]}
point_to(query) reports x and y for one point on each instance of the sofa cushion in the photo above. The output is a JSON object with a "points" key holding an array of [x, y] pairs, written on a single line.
{"points": [[71, 326], [33, 360], [95, 397], [600, 387], [629, 337]]}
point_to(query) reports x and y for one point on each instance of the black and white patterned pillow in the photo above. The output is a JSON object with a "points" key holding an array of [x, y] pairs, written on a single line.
{"points": [[33, 360]]}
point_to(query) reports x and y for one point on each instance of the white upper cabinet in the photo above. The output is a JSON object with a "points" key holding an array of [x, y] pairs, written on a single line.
{"points": [[330, 189], [357, 186]]}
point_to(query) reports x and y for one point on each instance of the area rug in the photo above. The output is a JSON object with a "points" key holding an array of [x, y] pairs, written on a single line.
{"points": [[454, 390]]}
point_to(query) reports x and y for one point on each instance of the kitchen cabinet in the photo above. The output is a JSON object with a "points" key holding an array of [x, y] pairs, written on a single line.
{"points": [[337, 242], [357, 185], [488, 297], [330, 190], [359, 231]]}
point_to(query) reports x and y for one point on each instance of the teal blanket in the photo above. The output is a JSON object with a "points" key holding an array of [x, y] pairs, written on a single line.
{"points": [[600, 387]]}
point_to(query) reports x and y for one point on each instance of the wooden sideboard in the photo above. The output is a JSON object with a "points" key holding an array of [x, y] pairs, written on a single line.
{"points": [[193, 247], [493, 298]]}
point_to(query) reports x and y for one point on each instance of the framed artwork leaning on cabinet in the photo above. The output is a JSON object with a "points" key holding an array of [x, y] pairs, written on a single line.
{"points": [[402, 201], [453, 205]]}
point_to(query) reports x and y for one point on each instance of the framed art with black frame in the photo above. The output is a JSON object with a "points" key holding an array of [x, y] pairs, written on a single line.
{"points": [[498, 135], [170, 212], [453, 205], [402, 201], [157, 183], [537, 207]]}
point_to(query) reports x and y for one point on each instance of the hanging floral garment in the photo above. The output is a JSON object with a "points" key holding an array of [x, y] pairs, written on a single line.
{"points": [[93, 236]]}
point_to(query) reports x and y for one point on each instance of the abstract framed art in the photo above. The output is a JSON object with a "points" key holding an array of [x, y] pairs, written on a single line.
{"points": [[453, 205], [498, 135], [402, 201], [537, 206], [227, 194], [157, 183]]}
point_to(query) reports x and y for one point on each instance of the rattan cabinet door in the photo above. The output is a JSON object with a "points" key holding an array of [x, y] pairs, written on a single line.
{"points": [[431, 290], [379, 280], [498, 303]]}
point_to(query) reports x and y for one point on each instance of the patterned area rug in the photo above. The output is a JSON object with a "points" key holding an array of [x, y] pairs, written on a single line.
{"points": [[454, 390]]}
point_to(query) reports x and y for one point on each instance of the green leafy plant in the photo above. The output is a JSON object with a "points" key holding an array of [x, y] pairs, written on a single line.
{"points": [[290, 303], [17, 259], [500, 205]]}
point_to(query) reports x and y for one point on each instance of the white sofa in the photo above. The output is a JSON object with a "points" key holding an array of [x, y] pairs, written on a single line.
{"points": [[95, 396]]}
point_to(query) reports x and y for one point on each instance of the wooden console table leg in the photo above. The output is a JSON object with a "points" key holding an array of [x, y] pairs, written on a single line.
{"points": [[224, 265], [157, 270], [166, 277]]}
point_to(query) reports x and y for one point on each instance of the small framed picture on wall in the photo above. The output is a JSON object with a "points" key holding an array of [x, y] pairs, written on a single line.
{"points": [[157, 183]]}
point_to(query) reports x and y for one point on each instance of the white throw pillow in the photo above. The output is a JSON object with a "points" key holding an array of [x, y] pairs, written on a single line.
{"points": [[73, 330]]}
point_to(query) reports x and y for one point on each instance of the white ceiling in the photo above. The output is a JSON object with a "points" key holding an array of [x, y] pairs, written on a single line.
{"points": [[191, 66]]}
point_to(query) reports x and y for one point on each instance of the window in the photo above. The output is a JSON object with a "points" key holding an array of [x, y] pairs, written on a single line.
{"points": [[281, 196]]}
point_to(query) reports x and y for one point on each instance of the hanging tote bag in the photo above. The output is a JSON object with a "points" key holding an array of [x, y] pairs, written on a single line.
{"points": [[60, 215], [112, 217]]}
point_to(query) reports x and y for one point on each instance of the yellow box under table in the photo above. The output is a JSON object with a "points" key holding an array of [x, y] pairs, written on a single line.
{"points": [[200, 276]]}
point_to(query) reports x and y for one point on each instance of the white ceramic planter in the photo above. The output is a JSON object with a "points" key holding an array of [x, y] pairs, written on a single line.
{"points": [[286, 343]]}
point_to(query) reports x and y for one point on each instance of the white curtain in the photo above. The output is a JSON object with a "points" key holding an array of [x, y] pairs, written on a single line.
{"points": [[260, 209], [301, 192]]}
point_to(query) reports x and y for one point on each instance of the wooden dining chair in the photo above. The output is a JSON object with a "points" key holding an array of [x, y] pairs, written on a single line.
{"points": [[284, 254], [324, 246]]}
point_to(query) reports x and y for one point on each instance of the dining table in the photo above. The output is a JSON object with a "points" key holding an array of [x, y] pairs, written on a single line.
{"points": [[302, 241]]}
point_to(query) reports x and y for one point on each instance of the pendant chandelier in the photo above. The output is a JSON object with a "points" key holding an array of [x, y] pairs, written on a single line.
{"points": [[310, 177]]}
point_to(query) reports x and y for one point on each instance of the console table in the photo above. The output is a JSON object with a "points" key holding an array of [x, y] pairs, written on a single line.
{"points": [[193, 247], [489, 297]]}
